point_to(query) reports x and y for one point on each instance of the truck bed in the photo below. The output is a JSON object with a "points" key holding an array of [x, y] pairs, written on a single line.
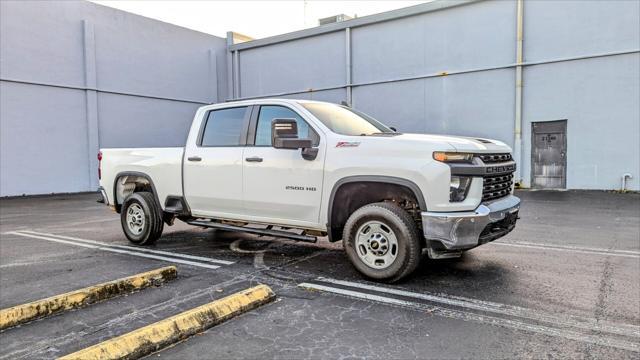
{"points": [[163, 167]]}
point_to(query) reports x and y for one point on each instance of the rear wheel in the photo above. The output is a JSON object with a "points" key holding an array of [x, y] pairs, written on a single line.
{"points": [[140, 218], [382, 242]]}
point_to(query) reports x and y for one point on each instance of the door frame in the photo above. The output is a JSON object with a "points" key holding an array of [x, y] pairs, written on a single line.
{"points": [[250, 146], [197, 147], [562, 122]]}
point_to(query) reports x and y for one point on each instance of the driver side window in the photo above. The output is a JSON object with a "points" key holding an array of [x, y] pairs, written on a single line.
{"points": [[270, 112]]}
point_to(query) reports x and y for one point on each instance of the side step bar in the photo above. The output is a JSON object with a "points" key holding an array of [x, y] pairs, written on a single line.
{"points": [[269, 232]]}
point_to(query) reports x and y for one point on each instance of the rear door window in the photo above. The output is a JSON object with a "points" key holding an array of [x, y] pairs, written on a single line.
{"points": [[225, 127]]}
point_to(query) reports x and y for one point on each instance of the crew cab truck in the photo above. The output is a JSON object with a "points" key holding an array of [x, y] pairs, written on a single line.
{"points": [[303, 169]]}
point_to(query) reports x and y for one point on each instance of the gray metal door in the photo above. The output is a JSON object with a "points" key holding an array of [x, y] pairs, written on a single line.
{"points": [[549, 154]]}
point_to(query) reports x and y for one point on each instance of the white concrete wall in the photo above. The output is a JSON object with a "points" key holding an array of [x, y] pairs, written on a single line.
{"points": [[396, 67], [76, 76]]}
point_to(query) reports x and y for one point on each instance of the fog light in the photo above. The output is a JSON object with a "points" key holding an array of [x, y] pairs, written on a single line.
{"points": [[458, 188]]}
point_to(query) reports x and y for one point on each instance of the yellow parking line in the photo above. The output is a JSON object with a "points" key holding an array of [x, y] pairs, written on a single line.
{"points": [[37, 309], [154, 337]]}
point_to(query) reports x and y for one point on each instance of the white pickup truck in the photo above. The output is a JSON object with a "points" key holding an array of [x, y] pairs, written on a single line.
{"points": [[304, 169]]}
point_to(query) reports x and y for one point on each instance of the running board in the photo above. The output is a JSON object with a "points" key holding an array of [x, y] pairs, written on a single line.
{"points": [[269, 232]]}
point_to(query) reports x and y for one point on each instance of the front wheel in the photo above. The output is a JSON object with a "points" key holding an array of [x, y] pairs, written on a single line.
{"points": [[382, 242], [140, 218]]}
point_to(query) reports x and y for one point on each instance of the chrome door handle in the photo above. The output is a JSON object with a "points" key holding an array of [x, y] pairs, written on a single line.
{"points": [[194, 158], [254, 159]]}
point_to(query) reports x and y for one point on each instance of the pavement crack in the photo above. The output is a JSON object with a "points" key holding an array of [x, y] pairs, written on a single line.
{"points": [[604, 290]]}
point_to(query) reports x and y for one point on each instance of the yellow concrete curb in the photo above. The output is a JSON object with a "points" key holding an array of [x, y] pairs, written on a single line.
{"points": [[154, 337], [26, 312]]}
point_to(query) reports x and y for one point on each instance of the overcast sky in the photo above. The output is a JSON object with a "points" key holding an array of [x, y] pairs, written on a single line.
{"points": [[257, 19]]}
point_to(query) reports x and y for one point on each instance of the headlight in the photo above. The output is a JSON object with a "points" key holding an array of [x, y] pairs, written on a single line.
{"points": [[452, 156], [458, 188]]}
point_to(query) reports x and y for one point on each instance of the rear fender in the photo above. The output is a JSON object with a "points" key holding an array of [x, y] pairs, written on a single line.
{"points": [[127, 182]]}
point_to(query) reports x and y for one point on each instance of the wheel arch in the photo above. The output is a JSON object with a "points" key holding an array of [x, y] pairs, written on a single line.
{"points": [[139, 180], [334, 229]]}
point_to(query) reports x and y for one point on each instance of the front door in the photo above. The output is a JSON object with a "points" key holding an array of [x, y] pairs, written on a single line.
{"points": [[213, 166], [279, 185], [549, 155]]}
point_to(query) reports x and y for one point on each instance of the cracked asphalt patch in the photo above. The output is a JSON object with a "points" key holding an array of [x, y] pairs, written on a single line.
{"points": [[550, 299]]}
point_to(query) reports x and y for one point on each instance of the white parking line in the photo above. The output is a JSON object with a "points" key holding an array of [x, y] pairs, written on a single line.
{"points": [[469, 316], [71, 224], [503, 309], [133, 248], [110, 249], [576, 249]]}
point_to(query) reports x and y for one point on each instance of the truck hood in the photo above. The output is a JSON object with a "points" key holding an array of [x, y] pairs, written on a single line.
{"points": [[460, 143]]}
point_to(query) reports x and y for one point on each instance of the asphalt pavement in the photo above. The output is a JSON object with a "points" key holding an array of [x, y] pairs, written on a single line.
{"points": [[565, 283]]}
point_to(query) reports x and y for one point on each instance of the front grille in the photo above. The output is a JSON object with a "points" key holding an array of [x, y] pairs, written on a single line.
{"points": [[497, 186], [494, 158]]}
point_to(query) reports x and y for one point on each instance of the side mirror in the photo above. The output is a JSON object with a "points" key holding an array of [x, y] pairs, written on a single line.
{"points": [[284, 135]]}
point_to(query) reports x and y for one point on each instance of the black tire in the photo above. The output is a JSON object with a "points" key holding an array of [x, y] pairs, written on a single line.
{"points": [[153, 224], [403, 227]]}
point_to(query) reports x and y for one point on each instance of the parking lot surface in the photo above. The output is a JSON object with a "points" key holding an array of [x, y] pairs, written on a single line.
{"points": [[564, 283]]}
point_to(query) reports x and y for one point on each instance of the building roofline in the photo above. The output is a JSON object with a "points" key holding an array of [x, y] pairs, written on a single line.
{"points": [[128, 13], [362, 21]]}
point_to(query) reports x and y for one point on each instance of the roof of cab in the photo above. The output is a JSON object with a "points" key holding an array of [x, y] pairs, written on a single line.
{"points": [[260, 101]]}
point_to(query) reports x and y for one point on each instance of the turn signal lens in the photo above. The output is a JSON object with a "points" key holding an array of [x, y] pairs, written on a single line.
{"points": [[452, 157]]}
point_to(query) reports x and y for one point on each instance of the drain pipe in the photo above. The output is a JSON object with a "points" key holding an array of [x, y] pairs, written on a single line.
{"points": [[517, 141], [624, 181]]}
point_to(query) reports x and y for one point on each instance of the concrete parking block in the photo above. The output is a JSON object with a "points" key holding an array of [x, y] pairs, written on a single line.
{"points": [[74, 299], [154, 337]]}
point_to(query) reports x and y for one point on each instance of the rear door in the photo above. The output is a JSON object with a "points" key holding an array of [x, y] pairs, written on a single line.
{"points": [[279, 185], [213, 165]]}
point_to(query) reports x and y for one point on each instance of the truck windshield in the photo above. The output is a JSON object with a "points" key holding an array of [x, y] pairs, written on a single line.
{"points": [[345, 121]]}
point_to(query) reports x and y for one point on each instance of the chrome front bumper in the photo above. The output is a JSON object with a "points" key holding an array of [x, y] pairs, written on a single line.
{"points": [[465, 230]]}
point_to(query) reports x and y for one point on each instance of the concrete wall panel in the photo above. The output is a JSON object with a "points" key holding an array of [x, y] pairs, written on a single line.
{"points": [[41, 45], [602, 113], [297, 65], [145, 56], [127, 121], [398, 104], [475, 104], [43, 140], [333, 96], [162, 74], [557, 29], [465, 37], [445, 105]]}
